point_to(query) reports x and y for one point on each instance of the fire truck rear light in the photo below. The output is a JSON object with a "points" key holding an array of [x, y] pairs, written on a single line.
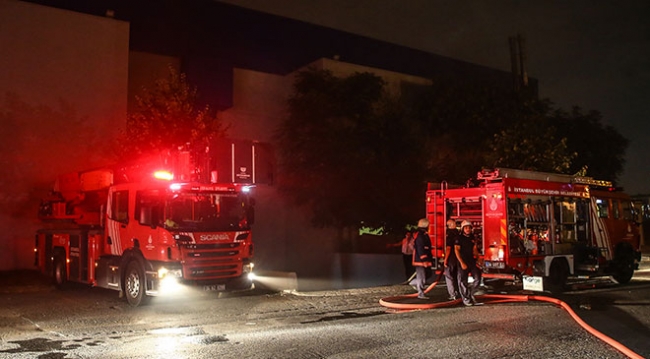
{"points": [[494, 253]]}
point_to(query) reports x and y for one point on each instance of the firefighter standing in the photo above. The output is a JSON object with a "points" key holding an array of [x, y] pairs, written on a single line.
{"points": [[466, 253], [451, 263], [422, 256], [407, 252]]}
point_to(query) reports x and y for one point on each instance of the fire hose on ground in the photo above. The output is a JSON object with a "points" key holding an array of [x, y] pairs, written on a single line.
{"points": [[394, 303]]}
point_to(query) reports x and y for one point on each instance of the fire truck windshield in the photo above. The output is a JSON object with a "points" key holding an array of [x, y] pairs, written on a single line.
{"points": [[189, 211]]}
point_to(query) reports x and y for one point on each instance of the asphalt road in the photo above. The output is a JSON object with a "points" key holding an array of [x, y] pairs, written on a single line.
{"points": [[38, 321]]}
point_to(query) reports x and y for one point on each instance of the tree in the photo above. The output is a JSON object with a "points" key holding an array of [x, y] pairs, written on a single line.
{"points": [[472, 124], [458, 120], [351, 153], [532, 142], [167, 116], [598, 147], [342, 149]]}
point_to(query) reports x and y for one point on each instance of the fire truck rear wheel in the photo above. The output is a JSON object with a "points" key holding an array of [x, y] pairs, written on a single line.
{"points": [[135, 284], [59, 272], [624, 266], [557, 276]]}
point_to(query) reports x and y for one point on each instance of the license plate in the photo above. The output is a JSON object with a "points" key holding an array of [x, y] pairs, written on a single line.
{"points": [[533, 283], [214, 287]]}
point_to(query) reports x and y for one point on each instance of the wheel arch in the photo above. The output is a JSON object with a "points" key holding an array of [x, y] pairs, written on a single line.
{"points": [[129, 255], [567, 260]]}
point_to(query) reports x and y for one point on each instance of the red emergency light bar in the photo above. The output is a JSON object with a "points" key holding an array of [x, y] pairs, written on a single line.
{"points": [[163, 175]]}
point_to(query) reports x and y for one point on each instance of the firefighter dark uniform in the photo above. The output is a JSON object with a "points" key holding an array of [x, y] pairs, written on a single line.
{"points": [[465, 248], [451, 263], [422, 258]]}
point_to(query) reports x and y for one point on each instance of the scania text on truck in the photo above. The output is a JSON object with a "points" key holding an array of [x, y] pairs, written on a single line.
{"points": [[147, 228], [540, 228]]}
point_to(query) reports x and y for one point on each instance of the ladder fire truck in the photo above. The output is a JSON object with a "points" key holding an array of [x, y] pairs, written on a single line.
{"points": [[537, 229], [148, 228]]}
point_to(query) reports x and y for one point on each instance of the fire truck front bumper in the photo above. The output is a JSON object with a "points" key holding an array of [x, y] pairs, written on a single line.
{"points": [[241, 283]]}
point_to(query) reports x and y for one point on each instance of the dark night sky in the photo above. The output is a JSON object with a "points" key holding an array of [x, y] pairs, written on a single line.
{"points": [[591, 54]]}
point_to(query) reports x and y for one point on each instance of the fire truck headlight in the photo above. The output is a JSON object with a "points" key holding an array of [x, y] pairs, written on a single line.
{"points": [[169, 280], [248, 270], [164, 273]]}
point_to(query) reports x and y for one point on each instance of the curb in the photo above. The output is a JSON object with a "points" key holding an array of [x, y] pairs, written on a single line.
{"points": [[276, 280]]}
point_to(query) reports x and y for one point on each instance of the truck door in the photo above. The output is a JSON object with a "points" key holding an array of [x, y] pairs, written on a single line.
{"points": [[79, 256], [118, 220]]}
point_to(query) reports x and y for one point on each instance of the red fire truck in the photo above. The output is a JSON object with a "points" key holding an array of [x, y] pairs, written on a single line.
{"points": [[540, 228], [146, 228]]}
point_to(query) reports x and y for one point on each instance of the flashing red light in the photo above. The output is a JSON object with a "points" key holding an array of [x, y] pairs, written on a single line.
{"points": [[163, 175]]}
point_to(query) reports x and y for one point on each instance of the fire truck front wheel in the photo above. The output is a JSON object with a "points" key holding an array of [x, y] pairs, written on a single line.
{"points": [[59, 272], [135, 284]]}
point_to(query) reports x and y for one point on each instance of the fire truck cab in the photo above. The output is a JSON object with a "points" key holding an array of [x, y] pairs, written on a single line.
{"points": [[540, 228]]}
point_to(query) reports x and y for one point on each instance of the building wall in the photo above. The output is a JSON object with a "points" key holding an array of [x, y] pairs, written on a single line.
{"points": [[242, 61], [259, 104], [145, 69], [395, 81], [260, 99], [63, 90], [284, 239], [51, 55]]}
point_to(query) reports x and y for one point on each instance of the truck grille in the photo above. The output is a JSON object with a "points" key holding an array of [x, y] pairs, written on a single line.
{"points": [[211, 261]]}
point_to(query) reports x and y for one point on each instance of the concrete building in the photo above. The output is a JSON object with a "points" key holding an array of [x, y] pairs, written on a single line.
{"points": [[57, 69], [97, 55]]}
